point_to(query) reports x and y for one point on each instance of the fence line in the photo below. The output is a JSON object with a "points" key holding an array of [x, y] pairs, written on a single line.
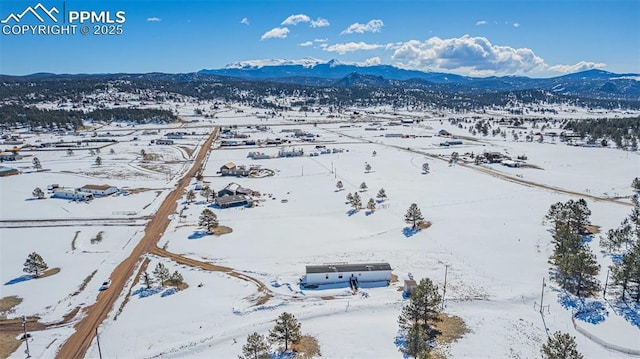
{"points": [[603, 343]]}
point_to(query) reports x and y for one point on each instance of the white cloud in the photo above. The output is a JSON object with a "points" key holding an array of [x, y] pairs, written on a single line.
{"points": [[472, 55], [481, 22], [475, 56], [296, 19], [244, 21], [306, 43], [275, 33], [320, 40], [350, 47], [372, 26], [154, 19], [516, 24], [372, 61], [319, 22], [580, 66]]}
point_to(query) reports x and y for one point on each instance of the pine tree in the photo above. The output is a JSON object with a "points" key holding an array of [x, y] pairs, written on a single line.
{"points": [[208, 219], [560, 346], [371, 205], [363, 187], [423, 308], [356, 201], [92, 153], [415, 344], [425, 167], [191, 195], [176, 279], [36, 164], [413, 215], [574, 214], [98, 161], [97, 151], [161, 273], [635, 184], [287, 330], [199, 176], [367, 168], [112, 151], [374, 153], [575, 264], [382, 195], [206, 192], [148, 281], [339, 185], [626, 273], [255, 348], [69, 152], [350, 197], [34, 265], [38, 193]]}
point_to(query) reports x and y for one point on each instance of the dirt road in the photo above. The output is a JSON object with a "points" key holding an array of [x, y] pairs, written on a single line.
{"points": [[78, 343]]}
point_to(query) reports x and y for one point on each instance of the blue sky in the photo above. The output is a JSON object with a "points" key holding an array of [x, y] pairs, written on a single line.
{"points": [[516, 37]]}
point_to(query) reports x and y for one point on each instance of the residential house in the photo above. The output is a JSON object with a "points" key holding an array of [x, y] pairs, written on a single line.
{"points": [[347, 273]]}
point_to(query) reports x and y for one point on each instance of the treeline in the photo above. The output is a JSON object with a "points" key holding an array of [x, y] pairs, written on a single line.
{"points": [[624, 132], [266, 94], [131, 115], [14, 115]]}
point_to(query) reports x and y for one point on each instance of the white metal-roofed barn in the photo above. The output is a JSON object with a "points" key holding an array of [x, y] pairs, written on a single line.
{"points": [[344, 272]]}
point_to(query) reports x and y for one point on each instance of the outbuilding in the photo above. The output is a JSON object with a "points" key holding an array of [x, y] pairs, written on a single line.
{"points": [[347, 273], [232, 201], [99, 190], [72, 194], [8, 171], [409, 286]]}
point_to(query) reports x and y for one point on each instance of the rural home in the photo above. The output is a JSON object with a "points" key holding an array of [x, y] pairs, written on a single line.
{"points": [[233, 189], [72, 194], [230, 169], [8, 171], [98, 190], [164, 142], [9, 156], [232, 201], [345, 273]]}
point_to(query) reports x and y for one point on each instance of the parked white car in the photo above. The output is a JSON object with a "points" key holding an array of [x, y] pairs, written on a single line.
{"points": [[106, 284]]}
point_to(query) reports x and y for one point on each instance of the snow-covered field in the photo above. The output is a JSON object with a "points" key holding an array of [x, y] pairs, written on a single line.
{"points": [[486, 230]]}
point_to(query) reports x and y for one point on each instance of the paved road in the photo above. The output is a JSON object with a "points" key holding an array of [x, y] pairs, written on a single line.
{"points": [[79, 342]]}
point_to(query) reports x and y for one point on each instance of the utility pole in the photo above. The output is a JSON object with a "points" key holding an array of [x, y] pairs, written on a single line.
{"points": [[98, 340], [542, 296], [444, 290], [26, 339], [604, 292]]}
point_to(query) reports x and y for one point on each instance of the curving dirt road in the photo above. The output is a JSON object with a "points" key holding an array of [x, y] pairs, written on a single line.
{"points": [[266, 293], [79, 342]]}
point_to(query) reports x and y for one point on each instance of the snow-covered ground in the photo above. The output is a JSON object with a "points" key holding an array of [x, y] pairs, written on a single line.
{"points": [[486, 230]]}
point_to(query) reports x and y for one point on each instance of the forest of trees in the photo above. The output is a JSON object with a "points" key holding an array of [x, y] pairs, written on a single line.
{"points": [[13, 115], [624, 132]]}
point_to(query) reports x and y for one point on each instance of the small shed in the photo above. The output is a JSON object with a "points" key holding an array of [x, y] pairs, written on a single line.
{"points": [[409, 286], [8, 171], [345, 273]]}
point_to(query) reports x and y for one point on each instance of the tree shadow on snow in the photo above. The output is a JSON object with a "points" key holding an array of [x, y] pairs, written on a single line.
{"points": [[629, 311], [408, 231], [198, 234], [368, 213], [587, 310], [20, 279], [351, 212]]}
